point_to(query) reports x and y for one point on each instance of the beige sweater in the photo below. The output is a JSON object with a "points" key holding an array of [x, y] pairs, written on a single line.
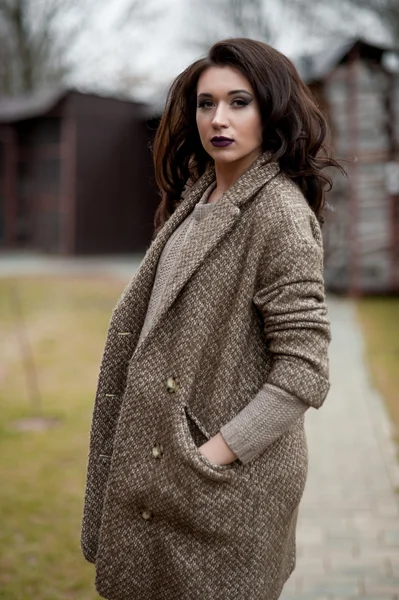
{"points": [[273, 410]]}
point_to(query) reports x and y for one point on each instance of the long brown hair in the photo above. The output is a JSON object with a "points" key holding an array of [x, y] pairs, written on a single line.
{"points": [[294, 129]]}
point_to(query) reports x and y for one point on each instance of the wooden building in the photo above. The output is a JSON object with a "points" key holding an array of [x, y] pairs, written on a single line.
{"points": [[360, 96], [76, 174]]}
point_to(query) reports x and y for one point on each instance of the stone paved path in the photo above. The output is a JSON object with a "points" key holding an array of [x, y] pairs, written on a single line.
{"points": [[36, 263], [348, 532]]}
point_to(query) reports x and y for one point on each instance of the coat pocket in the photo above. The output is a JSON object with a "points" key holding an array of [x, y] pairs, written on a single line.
{"points": [[196, 429], [196, 435]]}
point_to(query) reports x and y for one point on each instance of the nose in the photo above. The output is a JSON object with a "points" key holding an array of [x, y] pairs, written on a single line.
{"points": [[220, 118]]}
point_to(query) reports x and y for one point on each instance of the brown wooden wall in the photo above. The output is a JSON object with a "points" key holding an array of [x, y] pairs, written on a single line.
{"points": [[359, 234], [115, 197], [78, 179]]}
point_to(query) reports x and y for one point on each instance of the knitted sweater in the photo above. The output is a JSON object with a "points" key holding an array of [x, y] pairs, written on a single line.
{"points": [[272, 411]]}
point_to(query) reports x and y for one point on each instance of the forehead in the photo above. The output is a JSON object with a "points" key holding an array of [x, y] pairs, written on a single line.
{"points": [[221, 80]]}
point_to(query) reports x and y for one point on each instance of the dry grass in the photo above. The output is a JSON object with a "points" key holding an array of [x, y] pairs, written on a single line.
{"points": [[380, 321], [43, 472]]}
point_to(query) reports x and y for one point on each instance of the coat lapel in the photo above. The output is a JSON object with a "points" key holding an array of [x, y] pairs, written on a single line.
{"points": [[209, 232], [130, 311]]}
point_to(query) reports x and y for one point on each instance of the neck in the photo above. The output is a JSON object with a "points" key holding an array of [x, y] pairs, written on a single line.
{"points": [[228, 173]]}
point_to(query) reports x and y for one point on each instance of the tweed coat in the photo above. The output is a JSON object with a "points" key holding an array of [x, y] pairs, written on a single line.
{"points": [[245, 306]]}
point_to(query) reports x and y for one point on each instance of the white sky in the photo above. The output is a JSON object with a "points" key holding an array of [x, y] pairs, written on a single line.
{"points": [[157, 49]]}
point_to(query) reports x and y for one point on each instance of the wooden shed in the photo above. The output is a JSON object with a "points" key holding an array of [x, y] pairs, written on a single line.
{"points": [[76, 174], [359, 93]]}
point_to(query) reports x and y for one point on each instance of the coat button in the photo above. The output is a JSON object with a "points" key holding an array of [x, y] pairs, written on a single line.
{"points": [[147, 514], [172, 385], [157, 450]]}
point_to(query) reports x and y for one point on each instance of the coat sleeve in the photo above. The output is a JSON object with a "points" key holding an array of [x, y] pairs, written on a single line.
{"points": [[291, 300], [296, 325]]}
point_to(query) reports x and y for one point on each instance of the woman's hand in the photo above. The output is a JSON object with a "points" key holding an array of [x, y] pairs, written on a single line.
{"points": [[217, 451]]}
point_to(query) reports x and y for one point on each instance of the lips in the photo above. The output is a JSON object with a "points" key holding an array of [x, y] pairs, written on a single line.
{"points": [[220, 141]]}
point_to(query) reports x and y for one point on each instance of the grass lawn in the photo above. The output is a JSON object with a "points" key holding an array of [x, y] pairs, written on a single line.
{"points": [[43, 472], [380, 322]]}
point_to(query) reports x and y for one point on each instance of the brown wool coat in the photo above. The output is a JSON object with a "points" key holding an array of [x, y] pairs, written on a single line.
{"points": [[245, 306]]}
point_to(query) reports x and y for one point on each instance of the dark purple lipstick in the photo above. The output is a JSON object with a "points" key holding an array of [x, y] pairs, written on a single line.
{"points": [[220, 141]]}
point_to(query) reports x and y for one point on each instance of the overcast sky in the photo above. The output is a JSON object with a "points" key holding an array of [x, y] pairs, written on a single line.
{"points": [[148, 53]]}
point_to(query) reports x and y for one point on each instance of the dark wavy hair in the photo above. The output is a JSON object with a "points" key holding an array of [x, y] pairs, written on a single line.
{"points": [[295, 131]]}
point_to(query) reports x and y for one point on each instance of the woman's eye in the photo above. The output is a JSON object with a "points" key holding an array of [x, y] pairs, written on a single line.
{"points": [[240, 102], [237, 103], [204, 104]]}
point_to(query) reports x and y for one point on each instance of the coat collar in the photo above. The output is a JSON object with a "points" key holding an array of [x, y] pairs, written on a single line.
{"points": [[208, 233]]}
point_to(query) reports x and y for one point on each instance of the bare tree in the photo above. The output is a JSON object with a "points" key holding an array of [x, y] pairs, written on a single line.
{"points": [[108, 55], [32, 43], [257, 19], [386, 11], [329, 18], [37, 38]]}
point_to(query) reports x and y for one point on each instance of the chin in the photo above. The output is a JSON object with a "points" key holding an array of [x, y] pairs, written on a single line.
{"points": [[224, 157]]}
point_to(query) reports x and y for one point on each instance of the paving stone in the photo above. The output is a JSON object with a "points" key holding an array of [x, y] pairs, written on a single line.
{"points": [[392, 567], [309, 596], [380, 597], [317, 565], [348, 527], [335, 587], [391, 538], [381, 585]]}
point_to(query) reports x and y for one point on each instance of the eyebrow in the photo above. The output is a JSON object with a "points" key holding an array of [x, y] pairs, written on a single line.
{"points": [[206, 95]]}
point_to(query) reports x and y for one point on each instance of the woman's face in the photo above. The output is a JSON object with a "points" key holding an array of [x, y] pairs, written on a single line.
{"points": [[228, 117]]}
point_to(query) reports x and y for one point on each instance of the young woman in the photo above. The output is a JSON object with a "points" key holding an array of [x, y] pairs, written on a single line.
{"points": [[218, 345]]}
